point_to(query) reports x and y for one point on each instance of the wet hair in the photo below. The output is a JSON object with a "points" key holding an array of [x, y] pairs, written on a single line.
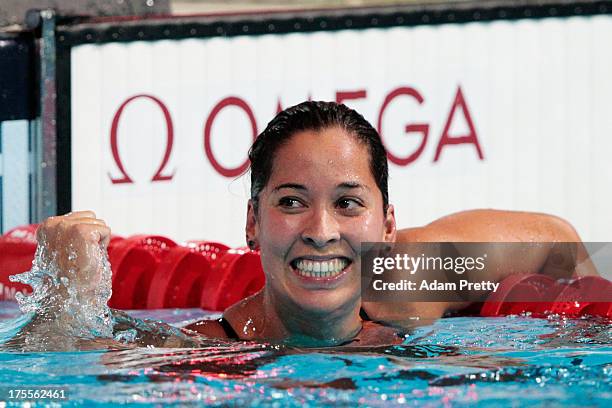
{"points": [[315, 116]]}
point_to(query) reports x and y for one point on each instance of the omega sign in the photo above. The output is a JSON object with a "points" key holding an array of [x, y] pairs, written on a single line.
{"points": [[458, 110]]}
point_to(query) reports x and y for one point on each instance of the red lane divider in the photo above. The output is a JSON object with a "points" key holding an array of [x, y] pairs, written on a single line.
{"points": [[517, 294], [133, 261], [209, 249], [236, 275], [177, 281], [542, 295], [212, 251], [585, 295], [151, 271], [598, 309]]}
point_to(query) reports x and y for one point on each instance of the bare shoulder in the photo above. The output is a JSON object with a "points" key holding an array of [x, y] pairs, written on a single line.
{"points": [[494, 226], [237, 315], [485, 226]]}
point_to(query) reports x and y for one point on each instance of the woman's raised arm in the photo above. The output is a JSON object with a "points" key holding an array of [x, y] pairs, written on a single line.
{"points": [[71, 278], [543, 234], [497, 226]]}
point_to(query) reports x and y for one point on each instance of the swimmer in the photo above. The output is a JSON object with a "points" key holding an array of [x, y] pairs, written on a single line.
{"points": [[318, 190]]}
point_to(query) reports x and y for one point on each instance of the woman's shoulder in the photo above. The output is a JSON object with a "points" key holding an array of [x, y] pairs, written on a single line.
{"points": [[238, 314], [490, 225]]}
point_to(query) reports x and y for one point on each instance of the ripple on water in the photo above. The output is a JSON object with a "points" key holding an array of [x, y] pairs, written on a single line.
{"points": [[451, 362]]}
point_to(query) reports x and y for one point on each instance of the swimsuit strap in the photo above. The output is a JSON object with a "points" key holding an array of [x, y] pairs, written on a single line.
{"points": [[229, 330], [231, 333], [364, 316]]}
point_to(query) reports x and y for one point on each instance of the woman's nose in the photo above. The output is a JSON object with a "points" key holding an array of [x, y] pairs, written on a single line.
{"points": [[322, 229]]}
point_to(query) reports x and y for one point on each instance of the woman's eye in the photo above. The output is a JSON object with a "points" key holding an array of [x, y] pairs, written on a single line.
{"points": [[290, 202], [348, 204]]}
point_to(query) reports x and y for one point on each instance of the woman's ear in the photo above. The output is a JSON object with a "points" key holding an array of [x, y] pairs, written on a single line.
{"points": [[390, 225], [251, 228]]}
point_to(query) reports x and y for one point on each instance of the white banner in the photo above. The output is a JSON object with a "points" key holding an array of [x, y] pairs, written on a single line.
{"points": [[509, 115]]}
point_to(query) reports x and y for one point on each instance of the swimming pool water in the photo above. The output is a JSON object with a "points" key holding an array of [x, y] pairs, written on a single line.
{"points": [[461, 361]]}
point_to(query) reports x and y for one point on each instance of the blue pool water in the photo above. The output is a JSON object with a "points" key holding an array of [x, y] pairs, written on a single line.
{"points": [[462, 361]]}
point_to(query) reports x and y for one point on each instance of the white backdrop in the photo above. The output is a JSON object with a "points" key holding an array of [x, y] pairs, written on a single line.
{"points": [[536, 98]]}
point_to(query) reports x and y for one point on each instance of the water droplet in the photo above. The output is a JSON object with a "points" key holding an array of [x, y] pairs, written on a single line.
{"points": [[82, 315], [249, 326]]}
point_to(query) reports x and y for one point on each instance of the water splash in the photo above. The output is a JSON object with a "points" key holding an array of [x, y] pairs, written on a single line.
{"points": [[57, 299], [68, 309]]}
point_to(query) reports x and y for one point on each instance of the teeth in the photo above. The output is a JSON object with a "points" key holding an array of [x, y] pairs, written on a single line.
{"points": [[320, 269]]}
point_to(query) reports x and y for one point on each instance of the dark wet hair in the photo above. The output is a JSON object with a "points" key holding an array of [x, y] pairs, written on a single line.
{"points": [[313, 115]]}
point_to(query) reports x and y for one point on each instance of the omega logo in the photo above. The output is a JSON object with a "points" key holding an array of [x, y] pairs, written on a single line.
{"points": [[158, 176], [420, 129]]}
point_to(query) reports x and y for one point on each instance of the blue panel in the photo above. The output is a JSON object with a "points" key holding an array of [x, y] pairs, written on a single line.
{"points": [[15, 168]]}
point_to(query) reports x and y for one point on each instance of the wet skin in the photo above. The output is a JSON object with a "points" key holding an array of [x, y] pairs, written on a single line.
{"points": [[320, 203]]}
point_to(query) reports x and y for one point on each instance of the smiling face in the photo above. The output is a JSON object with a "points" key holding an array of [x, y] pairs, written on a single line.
{"points": [[319, 204]]}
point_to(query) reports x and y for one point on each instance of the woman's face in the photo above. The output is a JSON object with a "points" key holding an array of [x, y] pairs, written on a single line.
{"points": [[321, 202]]}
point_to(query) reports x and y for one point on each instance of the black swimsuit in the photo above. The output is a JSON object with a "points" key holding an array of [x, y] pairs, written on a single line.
{"points": [[229, 330], [364, 316], [231, 333]]}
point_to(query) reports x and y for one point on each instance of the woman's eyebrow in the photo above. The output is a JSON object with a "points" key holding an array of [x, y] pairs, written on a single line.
{"points": [[290, 185], [351, 185]]}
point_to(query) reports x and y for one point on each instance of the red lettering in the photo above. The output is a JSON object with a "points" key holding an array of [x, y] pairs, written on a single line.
{"points": [[420, 128], [447, 139], [342, 96], [224, 103], [158, 176]]}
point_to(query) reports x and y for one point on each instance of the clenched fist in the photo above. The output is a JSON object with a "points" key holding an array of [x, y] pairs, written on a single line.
{"points": [[75, 243]]}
